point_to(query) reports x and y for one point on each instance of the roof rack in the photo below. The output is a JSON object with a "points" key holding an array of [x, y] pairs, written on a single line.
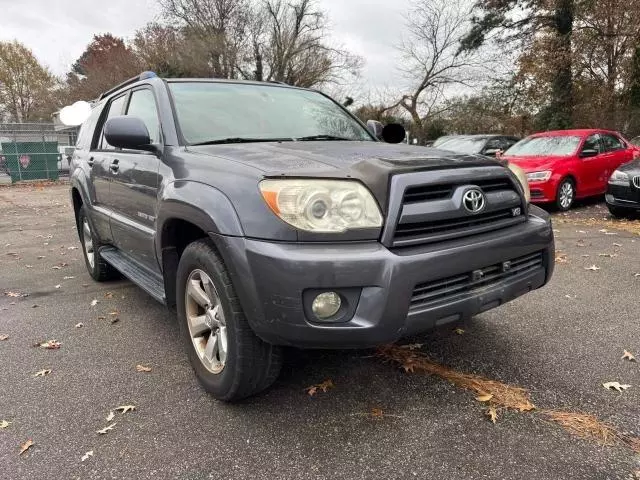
{"points": [[142, 76]]}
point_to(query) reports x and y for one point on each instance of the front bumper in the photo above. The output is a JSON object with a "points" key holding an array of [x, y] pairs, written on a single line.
{"points": [[543, 192], [623, 197], [271, 280]]}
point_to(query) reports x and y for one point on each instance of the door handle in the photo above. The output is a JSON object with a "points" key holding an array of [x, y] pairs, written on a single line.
{"points": [[90, 162]]}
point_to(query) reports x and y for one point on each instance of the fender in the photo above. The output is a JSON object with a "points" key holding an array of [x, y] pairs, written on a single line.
{"points": [[214, 212]]}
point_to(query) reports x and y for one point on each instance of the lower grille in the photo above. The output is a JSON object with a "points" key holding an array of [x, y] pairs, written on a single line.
{"points": [[430, 293]]}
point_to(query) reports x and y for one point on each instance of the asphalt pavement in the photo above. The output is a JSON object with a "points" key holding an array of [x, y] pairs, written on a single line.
{"points": [[561, 343]]}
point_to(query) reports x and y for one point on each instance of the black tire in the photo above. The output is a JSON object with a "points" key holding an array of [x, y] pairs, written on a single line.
{"points": [[100, 270], [561, 202], [251, 365], [618, 212]]}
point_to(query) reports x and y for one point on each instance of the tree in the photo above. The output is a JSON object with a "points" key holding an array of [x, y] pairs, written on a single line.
{"points": [[26, 87], [432, 60], [522, 22], [106, 62]]}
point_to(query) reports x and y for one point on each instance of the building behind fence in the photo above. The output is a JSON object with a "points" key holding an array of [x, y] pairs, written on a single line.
{"points": [[30, 151]]}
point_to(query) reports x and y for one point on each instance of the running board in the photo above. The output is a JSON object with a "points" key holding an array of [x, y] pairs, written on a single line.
{"points": [[141, 276]]}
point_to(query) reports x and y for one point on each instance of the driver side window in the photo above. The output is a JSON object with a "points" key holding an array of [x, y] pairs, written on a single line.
{"points": [[592, 143]]}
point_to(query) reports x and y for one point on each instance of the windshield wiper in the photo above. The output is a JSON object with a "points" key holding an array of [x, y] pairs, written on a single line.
{"points": [[311, 138], [242, 140]]}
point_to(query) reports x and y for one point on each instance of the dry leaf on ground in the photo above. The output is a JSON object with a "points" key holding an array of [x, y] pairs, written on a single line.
{"points": [[484, 398], [94, 302], [376, 413], [79, 325], [108, 295], [324, 386], [58, 286], [126, 408], [87, 455], [4, 337], [142, 368], [106, 429], [626, 356], [459, 331], [111, 416], [42, 373], [615, 386], [492, 413], [593, 268], [4, 424], [49, 345], [68, 278], [26, 446]]}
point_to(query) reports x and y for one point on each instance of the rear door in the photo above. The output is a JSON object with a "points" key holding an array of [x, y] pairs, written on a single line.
{"points": [[134, 187], [592, 169], [98, 164]]}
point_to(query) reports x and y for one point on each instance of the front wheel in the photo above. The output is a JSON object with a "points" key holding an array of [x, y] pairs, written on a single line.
{"points": [[566, 195], [99, 270], [229, 360]]}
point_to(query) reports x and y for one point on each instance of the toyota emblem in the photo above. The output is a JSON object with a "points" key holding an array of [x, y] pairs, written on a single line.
{"points": [[474, 200]]}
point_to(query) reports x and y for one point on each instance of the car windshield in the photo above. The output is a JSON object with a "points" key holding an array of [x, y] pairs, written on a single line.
{"points": [[561, 146], [463, 145], [212, 112]]}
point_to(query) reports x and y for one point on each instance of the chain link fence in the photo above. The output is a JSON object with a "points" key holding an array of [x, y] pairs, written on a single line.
{"points": [[34, 151]]}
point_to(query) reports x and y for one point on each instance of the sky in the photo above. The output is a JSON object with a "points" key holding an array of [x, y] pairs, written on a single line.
{"points": [[57, 31]]}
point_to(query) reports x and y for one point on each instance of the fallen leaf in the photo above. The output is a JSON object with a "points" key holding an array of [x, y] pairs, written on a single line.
{"points": [[114, 313], [87, 455], [142, 368], [56, 267], [492, 413], [15, 294], [72, 248], [106, 429], [4, 337], [581, 231], [58, 286], [627, 356], [127, 408], [637, 275], [617, 244], [79, 325], [28, 266], [68, 278], [49, 345], [459, 331], [111, 416], [377, 413], [42, 373], [324, 386], [571, 297], [26, 446], [615, 386], [4, 424], [561, 258], [41, 257], [586, 256], [608, 255], [593, 268], [94, 302], [35, 305], [484, 398], [108, 295], [114, 320]]}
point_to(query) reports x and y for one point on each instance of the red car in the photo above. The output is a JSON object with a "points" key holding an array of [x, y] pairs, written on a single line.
{"points": [[564, 165]]}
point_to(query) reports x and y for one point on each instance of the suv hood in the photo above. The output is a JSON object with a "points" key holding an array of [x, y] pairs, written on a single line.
{"points": [[373, 163]]}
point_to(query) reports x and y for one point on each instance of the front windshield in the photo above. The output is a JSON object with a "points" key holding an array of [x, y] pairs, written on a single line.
{"points": [[213, 112], [463, 145], [561, 146]]}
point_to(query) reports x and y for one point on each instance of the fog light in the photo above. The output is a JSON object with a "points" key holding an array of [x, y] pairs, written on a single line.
{"points": [[326, 305]]}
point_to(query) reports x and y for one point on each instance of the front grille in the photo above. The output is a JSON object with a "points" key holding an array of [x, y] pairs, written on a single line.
{"points": [[636, 181], [430, 293], [426, 193]]}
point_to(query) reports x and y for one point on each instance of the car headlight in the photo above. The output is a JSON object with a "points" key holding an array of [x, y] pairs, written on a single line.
{"points": [[619, 178], [539, 176], [322, 206], [522, 178]]}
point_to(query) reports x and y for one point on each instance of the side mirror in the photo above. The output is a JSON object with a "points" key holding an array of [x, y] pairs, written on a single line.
{"points": [[588, 153], [393, 133], [375, 127], [127, 132]]}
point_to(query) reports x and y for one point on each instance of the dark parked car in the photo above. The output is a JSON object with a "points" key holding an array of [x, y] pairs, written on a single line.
{"points": [[488, 145], [268, 215], [623, 189]]}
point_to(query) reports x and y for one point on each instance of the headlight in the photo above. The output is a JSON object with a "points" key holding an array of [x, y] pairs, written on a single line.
{"points": [[539, 176], [619, 178], [322, 205], [522, 178]]}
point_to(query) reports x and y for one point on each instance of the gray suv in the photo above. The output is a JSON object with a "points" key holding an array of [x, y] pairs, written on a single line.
{"points": [[267, 216]]}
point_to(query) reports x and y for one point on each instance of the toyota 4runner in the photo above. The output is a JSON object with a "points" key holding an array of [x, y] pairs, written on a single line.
{"points": [[268, 215]]}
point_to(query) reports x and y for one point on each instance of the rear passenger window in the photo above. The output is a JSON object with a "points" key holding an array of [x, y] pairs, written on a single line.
{"points": [[115, 108], [612, 143], [143, 106]]}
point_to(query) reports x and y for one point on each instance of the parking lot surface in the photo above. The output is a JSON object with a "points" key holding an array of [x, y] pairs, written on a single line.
{"points": [[561, 343]]}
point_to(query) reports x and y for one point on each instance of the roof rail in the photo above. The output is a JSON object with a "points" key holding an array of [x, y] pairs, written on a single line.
{"points": [[142, 76]]}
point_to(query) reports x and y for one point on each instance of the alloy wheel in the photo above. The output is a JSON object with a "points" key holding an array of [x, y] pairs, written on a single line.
{"points": [[566, 195], [87, 240]]}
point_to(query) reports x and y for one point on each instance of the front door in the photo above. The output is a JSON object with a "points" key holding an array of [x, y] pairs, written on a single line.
{"points": [[592, 168], [134, 187], [98, 162]]}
